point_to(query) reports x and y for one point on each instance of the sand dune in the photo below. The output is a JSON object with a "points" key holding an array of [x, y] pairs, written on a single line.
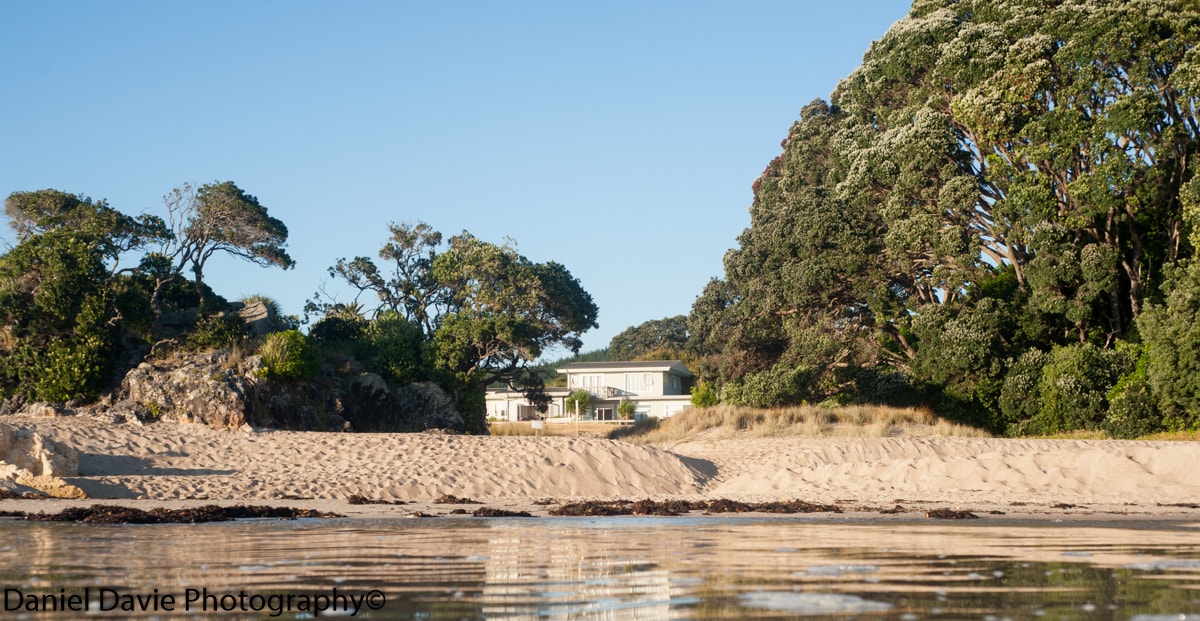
{"points": [[187, 462]]}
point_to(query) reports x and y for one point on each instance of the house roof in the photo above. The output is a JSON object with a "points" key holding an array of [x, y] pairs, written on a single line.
{"points": [[672, 366]]}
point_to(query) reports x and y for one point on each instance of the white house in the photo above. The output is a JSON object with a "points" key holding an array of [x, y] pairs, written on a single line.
{"points": [[655, 387]]}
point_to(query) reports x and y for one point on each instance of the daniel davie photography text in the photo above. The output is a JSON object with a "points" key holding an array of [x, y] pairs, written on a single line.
{"points": [[199, 600]]}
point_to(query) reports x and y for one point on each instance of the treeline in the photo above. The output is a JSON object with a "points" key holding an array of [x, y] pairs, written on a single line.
{"points": [[87, 290], [996, 215]]}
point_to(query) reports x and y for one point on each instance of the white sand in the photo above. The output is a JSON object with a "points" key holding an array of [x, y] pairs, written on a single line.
{"points": [[169, 462]]}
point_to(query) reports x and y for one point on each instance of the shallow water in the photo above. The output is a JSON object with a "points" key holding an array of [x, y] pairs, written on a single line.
{"points": [[608, 568]]}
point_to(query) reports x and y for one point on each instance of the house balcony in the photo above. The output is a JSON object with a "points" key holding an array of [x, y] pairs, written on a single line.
{"points": [[604, 392]]}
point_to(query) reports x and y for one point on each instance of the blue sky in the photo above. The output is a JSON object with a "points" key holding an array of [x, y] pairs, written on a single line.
{"points": [[617, 138]]}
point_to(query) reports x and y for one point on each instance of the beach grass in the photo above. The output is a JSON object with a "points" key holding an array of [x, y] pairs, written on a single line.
{"points": [[807, 421]]}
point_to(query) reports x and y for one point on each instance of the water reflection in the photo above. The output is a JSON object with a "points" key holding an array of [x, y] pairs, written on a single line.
{"points": [[626, 568]]}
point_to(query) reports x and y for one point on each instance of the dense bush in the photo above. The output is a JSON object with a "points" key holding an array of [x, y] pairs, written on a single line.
{"points": [[1171, 332], [1019, 397], [1073, 389], [393, 347], [773, 387], [338, 328], [1132, 411]]}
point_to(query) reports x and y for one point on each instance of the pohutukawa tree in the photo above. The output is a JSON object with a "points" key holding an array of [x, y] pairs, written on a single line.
{"points": [[486, 311], [997, 177]]}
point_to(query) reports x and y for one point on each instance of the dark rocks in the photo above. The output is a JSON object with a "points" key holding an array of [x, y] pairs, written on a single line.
{"points": [[679, 507], [112, 514], [450, 499], [950, 514]]}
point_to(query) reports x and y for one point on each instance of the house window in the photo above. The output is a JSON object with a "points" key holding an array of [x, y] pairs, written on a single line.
{"points": [[590, 382], [604, 414]]}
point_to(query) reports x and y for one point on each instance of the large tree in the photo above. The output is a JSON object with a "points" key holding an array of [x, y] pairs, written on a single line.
{"points": [[996, 177], [486, 311], [220, 217]]}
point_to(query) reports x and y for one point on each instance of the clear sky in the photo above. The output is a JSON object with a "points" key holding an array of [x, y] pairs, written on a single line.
{"points": [[617, 138]]}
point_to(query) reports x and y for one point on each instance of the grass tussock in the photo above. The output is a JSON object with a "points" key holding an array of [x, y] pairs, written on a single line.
{"points": [[809, 421]]}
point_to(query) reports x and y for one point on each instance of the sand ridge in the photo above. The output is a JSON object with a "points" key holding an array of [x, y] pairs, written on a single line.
{"points": [[167, 462]]}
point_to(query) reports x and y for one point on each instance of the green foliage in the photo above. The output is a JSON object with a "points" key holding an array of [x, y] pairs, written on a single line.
{"points": [[579, 401], [1020, 399], [1132, 411], [1074, 387], [287, 355], [338, 328], [998, 176], [56, 308], [668, 334], [1171, 333], [626, 409], [219, 331], [774, 387], [392, 347], [485, 313], [72, 368], [704, 395]]}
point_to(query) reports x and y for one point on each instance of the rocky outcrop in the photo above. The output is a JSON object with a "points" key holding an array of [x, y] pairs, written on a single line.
{"points": [[213, 388], [31, 461], [259, 319], [36, 454], [225, 389]]}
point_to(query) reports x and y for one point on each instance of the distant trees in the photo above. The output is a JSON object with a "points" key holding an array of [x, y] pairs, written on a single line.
{"points": [[666, 337], [991, 215], [486, 312]]}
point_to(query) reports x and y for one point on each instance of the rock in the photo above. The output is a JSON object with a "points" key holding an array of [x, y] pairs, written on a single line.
{"points": [[52, 486], [36, 454], [259, 319], [194, 388], [31, 460], [431, 407], [371, 383], [44, 410]]}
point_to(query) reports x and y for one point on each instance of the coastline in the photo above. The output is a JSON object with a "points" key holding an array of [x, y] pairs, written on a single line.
{"points": [[881, 479]]}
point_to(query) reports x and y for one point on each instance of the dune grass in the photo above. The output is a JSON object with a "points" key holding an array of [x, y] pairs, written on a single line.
{"points": [[810, 421]]}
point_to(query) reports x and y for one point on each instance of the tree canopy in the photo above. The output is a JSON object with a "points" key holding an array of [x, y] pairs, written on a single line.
{"points": [[486, 312], [996, 178]]}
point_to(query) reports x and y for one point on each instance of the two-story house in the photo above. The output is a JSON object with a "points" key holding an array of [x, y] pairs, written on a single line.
{"points": [[657, 388]]}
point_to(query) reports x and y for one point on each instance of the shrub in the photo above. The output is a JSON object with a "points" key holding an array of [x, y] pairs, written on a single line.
{"points": [[626, 409], [1132, 411], [1019, 400], [338, 328], [1171, 332], [287, 355], [216, 332], [704, 395], [1074, 388], [581, 397], [72, 368]]}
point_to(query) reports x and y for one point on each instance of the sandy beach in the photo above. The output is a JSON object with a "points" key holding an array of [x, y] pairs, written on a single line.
{"points": [[183, 465]]}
